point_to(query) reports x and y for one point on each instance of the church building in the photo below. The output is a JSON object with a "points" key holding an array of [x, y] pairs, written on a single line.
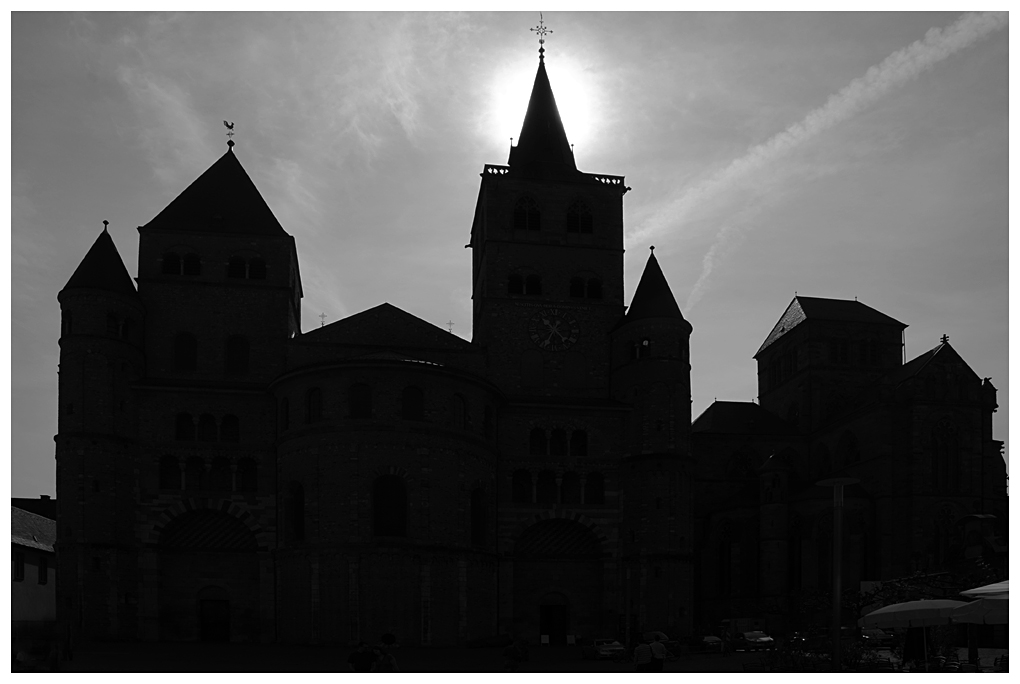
{"points": [[224, 475]]}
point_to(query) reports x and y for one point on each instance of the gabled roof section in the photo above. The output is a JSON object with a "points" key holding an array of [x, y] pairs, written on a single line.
{"points": [[31, 530], [542, 150], [102, 269], [222, 200], [943, 353], [822, 309], [740, 418], [653, 298], [387, 326]]}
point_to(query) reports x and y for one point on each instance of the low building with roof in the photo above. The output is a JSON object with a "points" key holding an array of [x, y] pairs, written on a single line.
{"points": [[33, 578]]}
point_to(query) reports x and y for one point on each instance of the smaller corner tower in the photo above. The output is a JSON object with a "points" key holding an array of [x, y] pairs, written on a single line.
{"points": [[101, 357]]}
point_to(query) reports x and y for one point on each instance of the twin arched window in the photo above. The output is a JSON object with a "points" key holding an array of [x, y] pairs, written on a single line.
{"points": [[527, 215], [189, 265], [250, 269], [520, 285], [557, 443], [184, 428], [579, 218]]}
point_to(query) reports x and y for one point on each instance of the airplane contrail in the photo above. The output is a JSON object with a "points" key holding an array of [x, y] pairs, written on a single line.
{"points": [[894, 71]]}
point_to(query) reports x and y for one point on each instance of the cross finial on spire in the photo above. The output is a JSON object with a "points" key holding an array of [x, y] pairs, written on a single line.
{"points": [[322, 318], [651, 248], [945, 339], [541, 30], [230, 132], [106, 224], [450, 324]]}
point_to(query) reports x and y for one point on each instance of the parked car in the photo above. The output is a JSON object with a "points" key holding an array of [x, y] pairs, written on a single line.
{"points": [[751, 641], [877, 638], [601, 649], [706, 644]]}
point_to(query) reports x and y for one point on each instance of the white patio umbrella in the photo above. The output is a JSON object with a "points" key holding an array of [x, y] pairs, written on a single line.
{"points": [[923, 613], [999, 590], [989, 611]]}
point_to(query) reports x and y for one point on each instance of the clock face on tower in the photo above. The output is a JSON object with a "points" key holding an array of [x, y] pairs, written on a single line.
{"points": [[553, 329]]}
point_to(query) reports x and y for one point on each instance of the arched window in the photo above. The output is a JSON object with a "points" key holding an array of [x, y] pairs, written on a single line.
{"points": [[295, 512], [594, 489], [236, 267], [219, 475], [171, 264], [558, 443], [389, 506], [579, 443], [284, 414], [458, 412], [577, 287], [184, 428], [945, 458], [235, 355], [112, 325], [313, 405], [185, 352], [359, 400], [570, 488], [594, 288], [579, 218], [257, 269], [412, 404], [478, 517], [515, 284], [520, 487], [533, 285], [247, 475], [546, 489], [229, 428], [194, 474], [206, 428], [192, 265], [526, 215], [169, 473], [537, 445]]}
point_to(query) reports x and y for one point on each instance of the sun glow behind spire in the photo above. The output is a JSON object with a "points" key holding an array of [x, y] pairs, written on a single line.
{"points": [[574, 88]]}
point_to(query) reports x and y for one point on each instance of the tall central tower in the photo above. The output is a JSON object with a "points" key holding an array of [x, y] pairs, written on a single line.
{"points": [[547, 261]]}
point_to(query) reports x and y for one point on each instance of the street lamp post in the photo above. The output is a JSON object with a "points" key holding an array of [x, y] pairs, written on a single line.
{"points": [[837, 484]]}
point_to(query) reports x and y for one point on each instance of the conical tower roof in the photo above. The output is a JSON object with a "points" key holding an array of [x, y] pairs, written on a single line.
{"points": [[542, 150], [102, 269], [653, 298], [222, 200]]}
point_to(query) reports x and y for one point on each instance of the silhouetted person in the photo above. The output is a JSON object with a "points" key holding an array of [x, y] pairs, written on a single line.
{"points": [[658, 654], [362, 660], [643, 657]]}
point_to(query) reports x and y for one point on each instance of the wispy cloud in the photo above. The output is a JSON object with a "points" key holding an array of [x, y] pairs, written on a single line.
{"points": [[173, 133], [894, 71]]}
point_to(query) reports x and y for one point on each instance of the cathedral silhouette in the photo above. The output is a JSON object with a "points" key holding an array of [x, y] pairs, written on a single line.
{"points": [[223, 475]]}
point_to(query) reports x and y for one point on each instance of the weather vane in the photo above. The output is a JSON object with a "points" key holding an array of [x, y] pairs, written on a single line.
{"points": [[541, 30], [230, 132]]}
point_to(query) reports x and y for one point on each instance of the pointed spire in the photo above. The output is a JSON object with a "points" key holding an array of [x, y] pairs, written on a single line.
{"points": [[222, 200], [102, 268], [653, 298], [542, 150]]}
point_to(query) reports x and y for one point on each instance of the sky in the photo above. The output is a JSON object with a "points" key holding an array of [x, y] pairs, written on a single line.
{"points": [[843, 155]]}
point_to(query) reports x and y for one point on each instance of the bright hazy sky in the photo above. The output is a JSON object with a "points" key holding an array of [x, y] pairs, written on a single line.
{"points": [[833, 155]]}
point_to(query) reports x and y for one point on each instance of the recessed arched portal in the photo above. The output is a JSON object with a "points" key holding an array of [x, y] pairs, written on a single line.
{"points": [[558, 581]]}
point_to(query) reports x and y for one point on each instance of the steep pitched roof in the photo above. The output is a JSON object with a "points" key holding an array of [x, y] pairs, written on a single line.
{"points": [[740, 418], [387, 326], [823, 309], [542, 150], [914, 367], [102, 269], [222, 200], [653, 298], [31, 530]]}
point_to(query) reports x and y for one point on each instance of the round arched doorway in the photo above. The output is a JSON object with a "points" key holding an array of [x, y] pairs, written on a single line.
{"points": [[558, 582]]}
